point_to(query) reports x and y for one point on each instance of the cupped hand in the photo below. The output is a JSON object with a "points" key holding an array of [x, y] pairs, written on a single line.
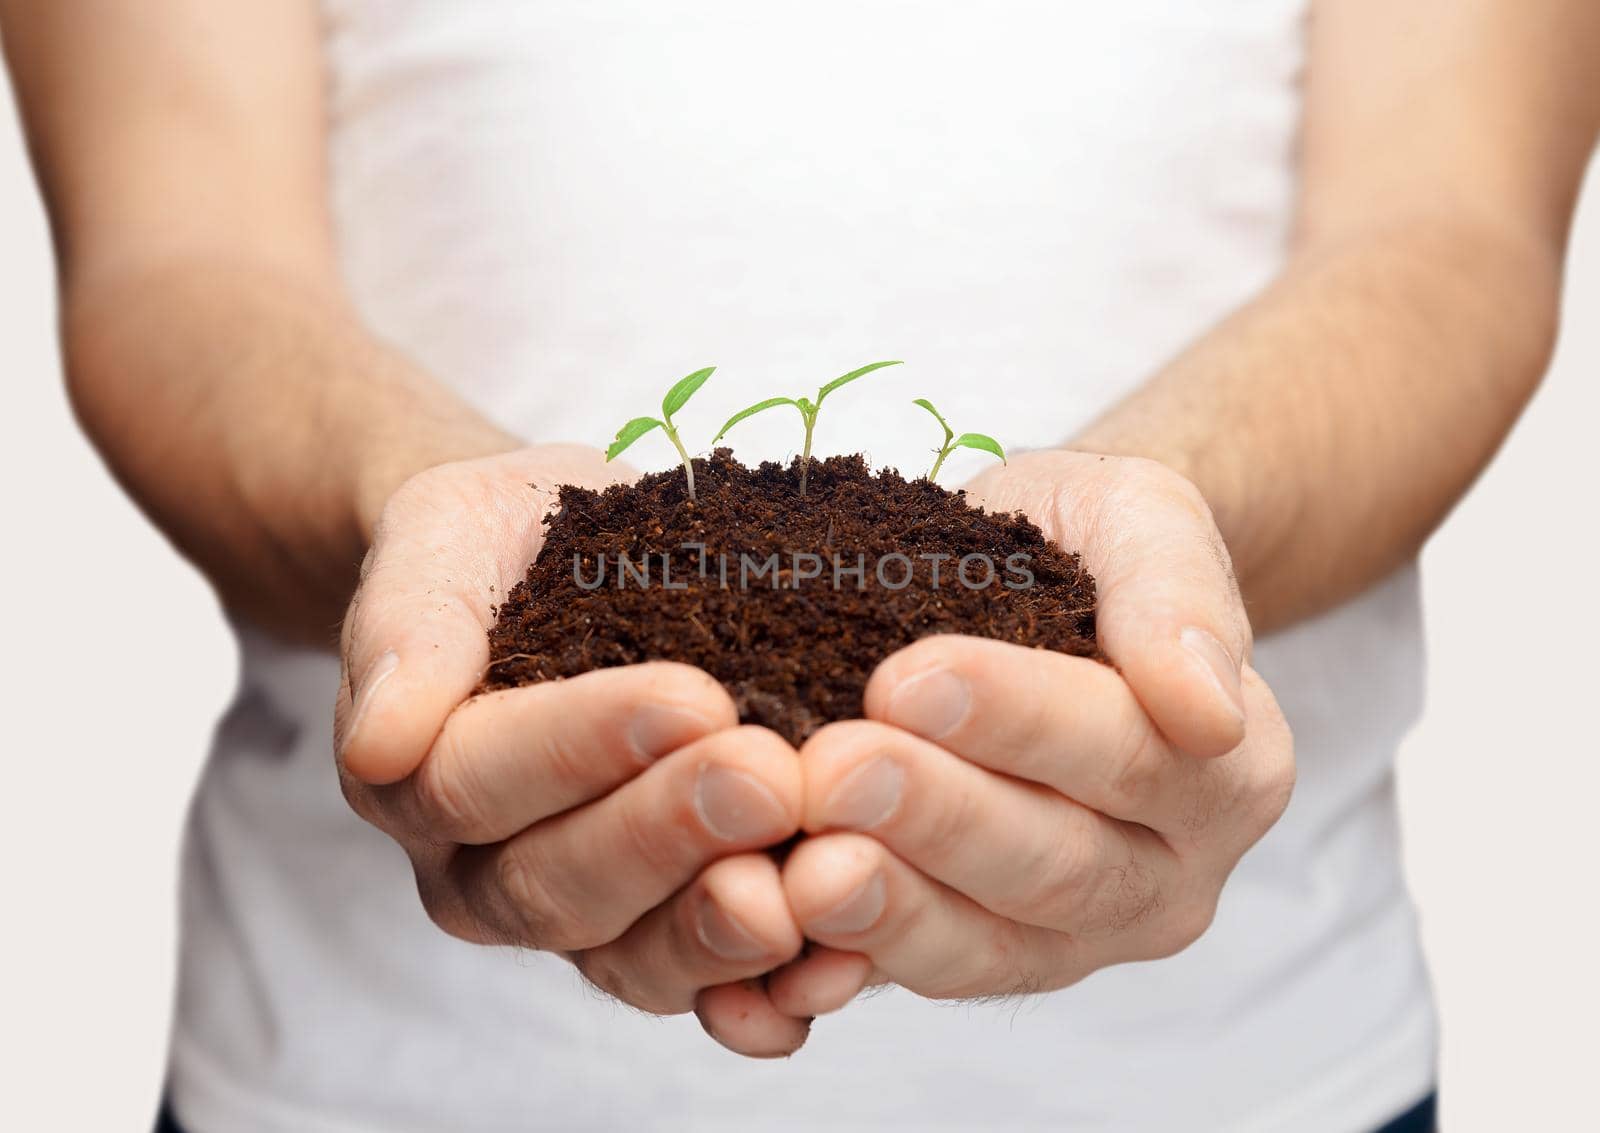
{"points": [[615, 818], [1010, 820]]}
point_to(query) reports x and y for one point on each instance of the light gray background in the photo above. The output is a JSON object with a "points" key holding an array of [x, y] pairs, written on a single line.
{"points": [[115, 662]]}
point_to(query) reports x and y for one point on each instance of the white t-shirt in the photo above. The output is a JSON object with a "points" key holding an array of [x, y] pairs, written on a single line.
{"points": [[560, 206]]}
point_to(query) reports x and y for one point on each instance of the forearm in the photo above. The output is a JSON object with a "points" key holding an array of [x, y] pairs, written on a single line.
{"points": [[1333, 422], [248, 412]]}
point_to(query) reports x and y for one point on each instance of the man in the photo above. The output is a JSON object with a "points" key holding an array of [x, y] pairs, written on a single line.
{"points": [[308, 250]]}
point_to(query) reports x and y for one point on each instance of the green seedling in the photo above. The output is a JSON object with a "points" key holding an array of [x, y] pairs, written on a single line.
{"points": [[677, 397], [808, 412], [953, 442]]}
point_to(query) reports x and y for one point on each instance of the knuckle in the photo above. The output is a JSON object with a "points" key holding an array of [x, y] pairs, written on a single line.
{"points": [[1125, 897], [1274, 773], [952, 821], [1137, 774], [1065, 879], [449, 799], [1065, 502], [1003, 968], [605, 971], [998, 969], [1274, 788], [1026, 726], [1182, 925], [449, 916], [1207, 797], [556, 752], [602, 974], [990, 971], [647, 842], [534, 916], [541, 918]]}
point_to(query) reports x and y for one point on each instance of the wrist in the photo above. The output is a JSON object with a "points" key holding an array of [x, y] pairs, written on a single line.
{"points": [[419, 429]]}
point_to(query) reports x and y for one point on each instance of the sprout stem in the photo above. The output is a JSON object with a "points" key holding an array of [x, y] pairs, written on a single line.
{"points": [[805, 455], [944, 452], [688, 465]]}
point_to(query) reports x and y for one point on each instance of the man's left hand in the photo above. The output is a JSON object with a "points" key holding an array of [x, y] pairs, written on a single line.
{"points": [[1010, 820]]}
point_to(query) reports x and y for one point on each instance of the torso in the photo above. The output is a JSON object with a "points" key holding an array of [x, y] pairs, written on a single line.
{"points": [[561, 206]]}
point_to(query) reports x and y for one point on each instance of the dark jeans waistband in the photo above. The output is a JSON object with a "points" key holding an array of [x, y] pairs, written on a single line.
{"points": [[1420, 1118]]}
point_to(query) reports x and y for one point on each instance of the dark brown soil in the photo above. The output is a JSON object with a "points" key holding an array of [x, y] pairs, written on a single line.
{"points": [[796, 656]]}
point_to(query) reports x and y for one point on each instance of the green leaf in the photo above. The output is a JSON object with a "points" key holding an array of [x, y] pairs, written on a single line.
{"points": [[753, 410], [845, 379], [928, 405], [979, 441], [631, 432], [678, 396]]}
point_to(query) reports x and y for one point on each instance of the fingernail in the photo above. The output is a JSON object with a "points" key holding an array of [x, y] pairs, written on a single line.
{"points": [[367, 691], [931, 704], [737, 807], [657, 729], [866, 796], [1221, 668], [725, 936], [856, 913]]}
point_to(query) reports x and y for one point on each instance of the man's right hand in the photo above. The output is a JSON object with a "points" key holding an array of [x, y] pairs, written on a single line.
{"points": [[616, 818]]}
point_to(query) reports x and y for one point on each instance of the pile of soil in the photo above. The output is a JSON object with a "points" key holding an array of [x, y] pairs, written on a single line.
{"points": [[794, 643]]}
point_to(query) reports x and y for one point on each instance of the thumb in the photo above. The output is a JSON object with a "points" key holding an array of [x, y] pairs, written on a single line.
{"points": [[1170, 615], [448, 545], [414, 644]]}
